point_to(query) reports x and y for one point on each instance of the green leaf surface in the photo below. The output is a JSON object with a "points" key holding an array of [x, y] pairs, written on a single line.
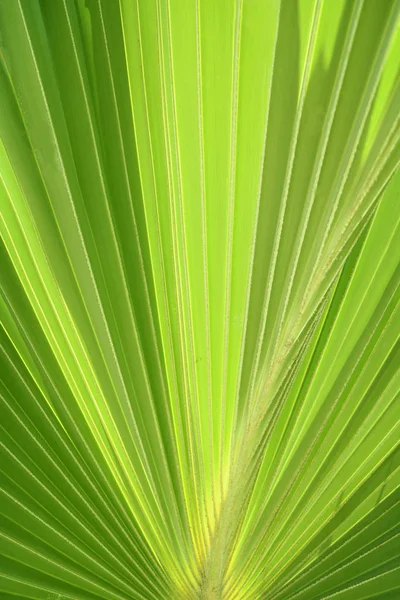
{"points": [[200, 302]]}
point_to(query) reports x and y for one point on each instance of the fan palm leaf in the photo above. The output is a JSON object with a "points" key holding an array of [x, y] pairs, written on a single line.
{"points": [[200, 268]]}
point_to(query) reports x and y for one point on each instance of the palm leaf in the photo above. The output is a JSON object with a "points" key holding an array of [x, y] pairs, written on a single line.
{"points": [[200, 269]]}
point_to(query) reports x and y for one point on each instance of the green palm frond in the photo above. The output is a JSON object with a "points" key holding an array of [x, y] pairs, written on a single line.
{"points": [[200, 307]]}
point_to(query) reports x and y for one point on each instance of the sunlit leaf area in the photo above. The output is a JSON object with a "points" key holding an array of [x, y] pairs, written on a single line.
{"points": [[200, 303]]}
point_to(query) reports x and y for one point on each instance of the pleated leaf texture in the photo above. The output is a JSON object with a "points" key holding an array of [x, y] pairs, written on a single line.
{"points": [[200, 307]]}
